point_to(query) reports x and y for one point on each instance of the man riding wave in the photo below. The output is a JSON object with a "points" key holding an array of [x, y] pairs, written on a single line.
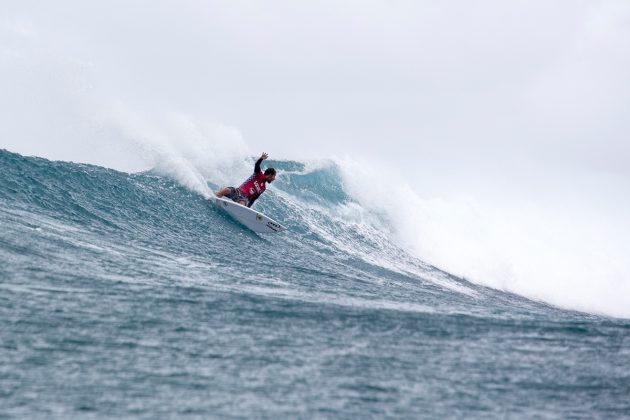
{"points": [[253, 186]]}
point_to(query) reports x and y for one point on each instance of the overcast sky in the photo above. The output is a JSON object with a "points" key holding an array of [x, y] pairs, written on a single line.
{"points": [[495, 87]]}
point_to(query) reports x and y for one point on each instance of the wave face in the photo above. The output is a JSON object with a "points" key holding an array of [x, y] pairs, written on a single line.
{"points": [[129, 295]]}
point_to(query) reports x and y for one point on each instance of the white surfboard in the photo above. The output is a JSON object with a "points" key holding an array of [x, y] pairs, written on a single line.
{"points": [[253, 219]]}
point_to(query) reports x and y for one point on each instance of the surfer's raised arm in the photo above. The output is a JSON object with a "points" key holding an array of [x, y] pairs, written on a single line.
{"points": [[262, 157]]}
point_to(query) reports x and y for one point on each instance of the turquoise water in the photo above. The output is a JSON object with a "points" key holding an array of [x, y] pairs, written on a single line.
{"points": [[127, 295]]}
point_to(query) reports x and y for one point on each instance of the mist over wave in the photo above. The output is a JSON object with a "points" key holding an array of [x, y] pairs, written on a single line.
{"points": [[187, 149]]}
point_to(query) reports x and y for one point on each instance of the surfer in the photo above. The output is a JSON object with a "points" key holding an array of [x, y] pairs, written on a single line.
{"points": [[253, 186]]}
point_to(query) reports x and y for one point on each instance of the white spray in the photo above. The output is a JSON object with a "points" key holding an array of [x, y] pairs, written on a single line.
{"points": [[188, 149], [573, 257]]}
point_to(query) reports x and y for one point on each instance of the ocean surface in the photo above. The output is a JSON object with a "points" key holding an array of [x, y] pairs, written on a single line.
{"points": [[130, 296]]}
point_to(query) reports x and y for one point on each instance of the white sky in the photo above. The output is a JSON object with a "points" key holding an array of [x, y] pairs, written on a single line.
{"points": [[457, 90]]}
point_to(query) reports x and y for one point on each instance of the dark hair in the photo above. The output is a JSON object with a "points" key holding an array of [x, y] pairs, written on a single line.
{"points": [[270, 171]]}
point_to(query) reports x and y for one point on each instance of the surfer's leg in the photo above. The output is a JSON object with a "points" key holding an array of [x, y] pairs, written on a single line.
{"points": [[233, 194]]}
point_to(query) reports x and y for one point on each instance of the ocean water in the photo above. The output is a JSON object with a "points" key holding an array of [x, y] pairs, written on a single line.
{"points": [[130, 296]]}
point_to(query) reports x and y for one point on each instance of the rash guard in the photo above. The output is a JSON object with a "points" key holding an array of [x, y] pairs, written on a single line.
{"points": [[255, 185]]}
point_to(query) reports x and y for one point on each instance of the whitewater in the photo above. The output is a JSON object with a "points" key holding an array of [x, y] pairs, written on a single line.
{"points": [[129, 295]]}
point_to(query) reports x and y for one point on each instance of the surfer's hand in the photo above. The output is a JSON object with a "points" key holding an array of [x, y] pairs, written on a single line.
{"points": [[264, 156]]}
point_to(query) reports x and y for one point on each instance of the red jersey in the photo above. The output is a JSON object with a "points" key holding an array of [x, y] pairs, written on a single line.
{"points": [[254, 186]]}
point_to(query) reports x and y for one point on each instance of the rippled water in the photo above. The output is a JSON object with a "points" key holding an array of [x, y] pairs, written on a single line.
{"points": [[129, 296]]}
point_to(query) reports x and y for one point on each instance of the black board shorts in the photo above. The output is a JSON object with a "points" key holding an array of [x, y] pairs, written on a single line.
{"points": [[236, 195]]}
